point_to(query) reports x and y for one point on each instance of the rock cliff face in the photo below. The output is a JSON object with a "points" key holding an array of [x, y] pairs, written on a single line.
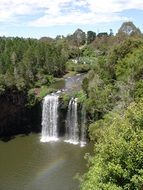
{"points": [[15, 117]]}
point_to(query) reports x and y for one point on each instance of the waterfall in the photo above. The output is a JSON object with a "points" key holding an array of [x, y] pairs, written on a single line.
{"points": [[72, 130], [49, 118], [74, 134], [83, 127]]}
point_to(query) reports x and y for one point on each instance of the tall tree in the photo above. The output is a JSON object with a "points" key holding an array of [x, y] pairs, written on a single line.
{"points": [[90, 36], [128, 29], [79, 37]]}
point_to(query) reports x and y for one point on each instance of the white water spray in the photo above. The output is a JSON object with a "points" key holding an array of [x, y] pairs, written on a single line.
{"points": [[49, 118], [83, 127], [72, 130]]}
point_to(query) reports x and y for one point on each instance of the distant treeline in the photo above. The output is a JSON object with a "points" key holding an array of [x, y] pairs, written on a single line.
{"points": [[25, 63]]}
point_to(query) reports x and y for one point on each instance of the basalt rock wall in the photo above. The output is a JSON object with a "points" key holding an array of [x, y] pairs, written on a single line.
{"points": [[15, 116]]}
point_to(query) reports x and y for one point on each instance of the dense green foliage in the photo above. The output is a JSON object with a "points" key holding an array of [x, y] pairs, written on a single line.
{"points": [[90, 36], [118, 159], [112, 93], [114, 103], [115, 78], [28, 63]]}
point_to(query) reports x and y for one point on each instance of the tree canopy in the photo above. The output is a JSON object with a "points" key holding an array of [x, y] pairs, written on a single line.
{"points": [[27, 62], [114, 104]]}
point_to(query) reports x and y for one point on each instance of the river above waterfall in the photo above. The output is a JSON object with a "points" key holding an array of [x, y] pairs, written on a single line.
{"points": [[69, 84], [28, 164]]}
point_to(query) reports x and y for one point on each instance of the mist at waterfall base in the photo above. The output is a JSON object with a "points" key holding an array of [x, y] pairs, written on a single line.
{"points": [[73, 133]]}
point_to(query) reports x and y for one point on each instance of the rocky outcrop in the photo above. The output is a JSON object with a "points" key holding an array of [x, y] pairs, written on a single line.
{"points": [[15, 117]]}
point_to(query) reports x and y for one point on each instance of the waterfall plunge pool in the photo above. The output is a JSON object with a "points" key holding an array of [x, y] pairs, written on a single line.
{"points": [[28, 164]]}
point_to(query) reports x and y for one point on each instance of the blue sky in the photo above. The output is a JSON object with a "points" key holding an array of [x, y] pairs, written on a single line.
{"points": [[38, 18]]}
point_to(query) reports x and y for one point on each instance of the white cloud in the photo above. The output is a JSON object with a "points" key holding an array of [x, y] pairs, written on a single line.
{"points": [[61, 12], [76, 18], [114, 5]]}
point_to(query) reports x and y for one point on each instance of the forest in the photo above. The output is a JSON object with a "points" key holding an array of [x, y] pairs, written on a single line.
{"points": [[112, 93], [114, 100]]}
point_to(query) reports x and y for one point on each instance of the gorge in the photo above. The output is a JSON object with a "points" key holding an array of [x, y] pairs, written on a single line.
{"points": [[48, 160]]}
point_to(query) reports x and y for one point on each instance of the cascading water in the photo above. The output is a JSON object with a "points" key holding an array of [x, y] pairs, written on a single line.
{"points": [[72, 130], [50, 128], [83, 127], [49, 118]]}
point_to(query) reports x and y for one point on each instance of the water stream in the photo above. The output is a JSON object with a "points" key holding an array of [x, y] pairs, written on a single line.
{"points": [[50, 118], [72, 129], [83, 127], [75, 134]]}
